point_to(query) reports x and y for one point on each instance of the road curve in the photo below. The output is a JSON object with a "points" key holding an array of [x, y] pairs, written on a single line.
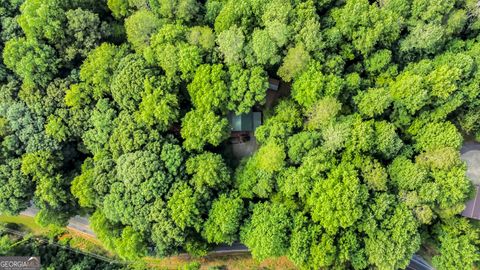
{"points": [[77, 223], [418, 263]]}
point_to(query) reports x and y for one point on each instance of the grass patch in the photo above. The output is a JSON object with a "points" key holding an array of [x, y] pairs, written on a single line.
{"points": [[66, 236], [236, 262], [85, 242], [27, 223]]}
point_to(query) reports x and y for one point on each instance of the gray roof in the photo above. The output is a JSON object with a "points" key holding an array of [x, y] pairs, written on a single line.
{"points": [[245, 122], [273, 84]]}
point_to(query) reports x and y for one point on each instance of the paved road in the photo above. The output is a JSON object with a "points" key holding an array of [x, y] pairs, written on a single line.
{"points": [[234, 248], [418, 263], [77, 223], [81, 224]]}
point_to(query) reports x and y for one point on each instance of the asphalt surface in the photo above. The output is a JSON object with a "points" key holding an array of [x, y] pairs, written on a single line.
{"points": [[77, 223], [234, 248], [418, 263], [470, 153], [82, 224]]}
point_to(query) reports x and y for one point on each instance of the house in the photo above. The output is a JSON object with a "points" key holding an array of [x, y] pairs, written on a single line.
{"points": [[273, 84], [244, 122]]}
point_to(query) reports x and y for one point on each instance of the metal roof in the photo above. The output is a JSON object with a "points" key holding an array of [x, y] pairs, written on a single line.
{"points": [[245, 122], [273, 84]]}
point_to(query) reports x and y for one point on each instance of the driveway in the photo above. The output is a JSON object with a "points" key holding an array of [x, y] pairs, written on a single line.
{"points": [[470, 153]]}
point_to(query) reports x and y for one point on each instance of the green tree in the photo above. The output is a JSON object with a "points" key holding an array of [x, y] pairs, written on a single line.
{"points": [[208, 90], [184, 208], [394, 241], [367, 25], [406, 175], [458, 244], [47, 24], [159, 106], [166, 235], [255, 177], [301, 143], [388, 142], [373, 102], [102, 121], [190, 57], [337, 201], [301, 240], [233, 13], [208, 172], [82, 185], [56, 129], [128, 81], [119, 8], [454, 189], [173, 158], [438, 135], [28, 128], [99, 67], [379, 61], [231, 43], [439, 159], [223, 220], [130, 245], [265, 233], [15, 188], [202, 36], [128, 136], [85, 31], [51, 186], [180, 10], [5, 244], [312, 85], [139, 28], [282, 124], [264, 48], [247, 87], [140, 180], [323, 112], [200, 128], [409, 94], [105, 230], [294, 63], [35, 63], [52, 217]]}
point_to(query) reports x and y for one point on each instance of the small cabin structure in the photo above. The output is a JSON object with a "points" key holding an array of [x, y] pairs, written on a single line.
{"points": [[273, 84], [244, 122]]}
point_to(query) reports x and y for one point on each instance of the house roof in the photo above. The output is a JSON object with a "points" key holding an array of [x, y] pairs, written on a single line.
{"points": [[245, 122], [273, 84], [472, 208]]}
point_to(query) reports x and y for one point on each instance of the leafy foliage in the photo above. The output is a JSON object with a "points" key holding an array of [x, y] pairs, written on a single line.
{"points": [[213, 129], [118, 109], [265, 234]]}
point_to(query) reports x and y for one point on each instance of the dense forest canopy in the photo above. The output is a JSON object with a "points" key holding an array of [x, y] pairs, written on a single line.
{"points": [[118, 109]]}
